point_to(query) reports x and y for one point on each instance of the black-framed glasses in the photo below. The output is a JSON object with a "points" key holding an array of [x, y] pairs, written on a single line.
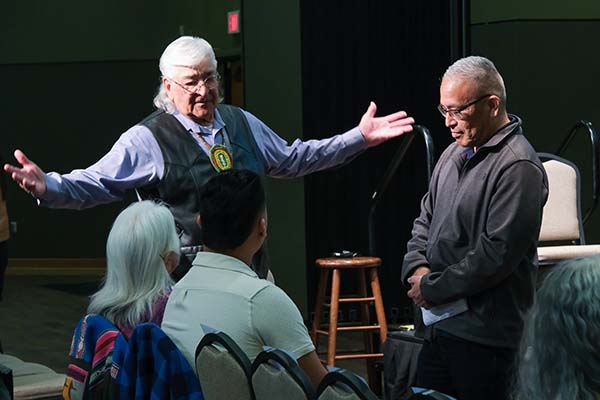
{"points": [[210, 82], [456, 112]]}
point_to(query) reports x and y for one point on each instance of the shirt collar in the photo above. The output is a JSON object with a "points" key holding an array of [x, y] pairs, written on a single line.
{"points": [[221, 261], [192, 126]]}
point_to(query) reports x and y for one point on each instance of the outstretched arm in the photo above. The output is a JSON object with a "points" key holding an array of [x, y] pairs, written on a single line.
{"points": [[300, 158], [134, 160], [29, 176]]}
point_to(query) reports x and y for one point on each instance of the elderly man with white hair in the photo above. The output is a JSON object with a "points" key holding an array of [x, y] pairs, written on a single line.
{"points": [[171, 154], [471, 263]]}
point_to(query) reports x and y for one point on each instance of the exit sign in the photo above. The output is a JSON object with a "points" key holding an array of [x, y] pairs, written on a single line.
{"points": [[233, 22]]}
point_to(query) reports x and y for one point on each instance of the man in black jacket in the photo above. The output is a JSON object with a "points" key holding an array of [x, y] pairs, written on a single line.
{"points": [[471, 262]]}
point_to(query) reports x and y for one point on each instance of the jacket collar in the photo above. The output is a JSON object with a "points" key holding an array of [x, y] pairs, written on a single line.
{"points": [[498, 137]]}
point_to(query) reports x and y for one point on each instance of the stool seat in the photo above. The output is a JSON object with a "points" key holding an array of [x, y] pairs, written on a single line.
{"points": [[365, 267], [350, 262]]}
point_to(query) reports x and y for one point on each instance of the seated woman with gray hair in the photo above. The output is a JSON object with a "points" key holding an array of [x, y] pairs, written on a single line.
{"points": [[142, 249], [560, 348]]}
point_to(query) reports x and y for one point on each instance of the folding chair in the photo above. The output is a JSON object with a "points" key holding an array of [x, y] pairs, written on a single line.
{"points": [[562, 236], [223, 368], [562, 222], [276, 375], [25, 380], [344, 385]]}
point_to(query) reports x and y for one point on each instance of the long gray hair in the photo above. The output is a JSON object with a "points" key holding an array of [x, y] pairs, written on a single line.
{"points": [[141, 236], [187, 51], [560, 348]]}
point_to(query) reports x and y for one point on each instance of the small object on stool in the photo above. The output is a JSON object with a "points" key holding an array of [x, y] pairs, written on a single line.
{"points": [[363, 265], [343, 254]]}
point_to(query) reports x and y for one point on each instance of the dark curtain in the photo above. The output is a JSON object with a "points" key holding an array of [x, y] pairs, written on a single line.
{"points": [[392, 52]]}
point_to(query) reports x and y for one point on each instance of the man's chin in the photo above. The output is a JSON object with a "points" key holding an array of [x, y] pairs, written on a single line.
{"points": [[204, 116]]}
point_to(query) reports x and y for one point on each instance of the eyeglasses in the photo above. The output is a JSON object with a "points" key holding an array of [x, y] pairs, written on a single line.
{"points": [[210, 82], [456, 112]]}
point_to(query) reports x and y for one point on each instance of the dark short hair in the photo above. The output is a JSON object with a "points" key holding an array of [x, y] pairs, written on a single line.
{"points": [[230, 204]]}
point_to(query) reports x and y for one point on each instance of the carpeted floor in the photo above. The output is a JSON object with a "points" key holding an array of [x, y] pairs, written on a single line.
{"points": [[38, 314]]}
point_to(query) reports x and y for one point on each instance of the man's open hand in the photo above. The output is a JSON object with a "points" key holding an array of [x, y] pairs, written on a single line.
{"points": [[377, 130], [29, 176]]}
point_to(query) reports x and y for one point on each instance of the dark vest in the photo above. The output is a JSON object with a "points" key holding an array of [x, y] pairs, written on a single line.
{"points": [[187, 167]]}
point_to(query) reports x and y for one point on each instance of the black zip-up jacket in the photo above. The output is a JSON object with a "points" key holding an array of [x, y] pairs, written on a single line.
{"points": [[478, 232]]}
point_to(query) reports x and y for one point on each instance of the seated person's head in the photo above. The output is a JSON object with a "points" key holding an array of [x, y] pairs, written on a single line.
{"points": [[142, 248], [560, 348], [232, 211]]}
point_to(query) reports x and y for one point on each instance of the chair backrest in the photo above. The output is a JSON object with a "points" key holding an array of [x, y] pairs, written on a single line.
{"points": [[276, 375], [561, 219], [344, 385], [26, 380], [223, 368]]}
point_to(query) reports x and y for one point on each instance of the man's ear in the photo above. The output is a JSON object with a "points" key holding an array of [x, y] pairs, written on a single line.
{"points": [[166, 84], [494, 102], [199, 220]]}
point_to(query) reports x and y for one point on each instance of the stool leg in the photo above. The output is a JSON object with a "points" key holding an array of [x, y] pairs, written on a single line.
{"points": [[333, 316], [322, 285], [379, 310], [378, 305]]}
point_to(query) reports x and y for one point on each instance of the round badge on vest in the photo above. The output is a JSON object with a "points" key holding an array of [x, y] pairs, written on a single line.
{"points": [[220, 158]]}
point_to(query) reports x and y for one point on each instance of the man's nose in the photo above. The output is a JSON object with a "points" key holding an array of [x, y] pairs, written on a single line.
{"points": [[201, 90], [449, 121]]}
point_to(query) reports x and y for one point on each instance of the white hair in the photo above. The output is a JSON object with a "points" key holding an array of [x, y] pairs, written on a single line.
{"points": [[136, 275], [189, 51], [482, 71]]}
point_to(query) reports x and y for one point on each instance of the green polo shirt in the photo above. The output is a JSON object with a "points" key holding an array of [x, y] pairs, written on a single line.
{"points": [[223, 293]]}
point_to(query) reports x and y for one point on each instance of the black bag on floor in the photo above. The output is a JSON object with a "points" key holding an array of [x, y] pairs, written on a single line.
{"points": [[400, 356]]}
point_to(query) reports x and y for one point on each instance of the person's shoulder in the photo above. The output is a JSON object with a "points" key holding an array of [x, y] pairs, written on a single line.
{"points": [[269, 293], [155, 115], [452, 148], [137, 137], [249, 116], [520, 149]]}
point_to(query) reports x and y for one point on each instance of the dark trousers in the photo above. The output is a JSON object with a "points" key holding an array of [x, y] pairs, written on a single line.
{"points": [[464, 369]]}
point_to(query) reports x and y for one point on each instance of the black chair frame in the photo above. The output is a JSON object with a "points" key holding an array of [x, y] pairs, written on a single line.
{"points": [[231, 346], [291, 366], [349, 379]]}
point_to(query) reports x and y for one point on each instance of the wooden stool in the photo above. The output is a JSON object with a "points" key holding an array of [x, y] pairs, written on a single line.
{"points": [[362, 265]]}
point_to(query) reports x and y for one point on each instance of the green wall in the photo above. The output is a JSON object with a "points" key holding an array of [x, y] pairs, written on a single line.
{"points": [[485, 11], [273, 91], [43, 31], [546, 52]]}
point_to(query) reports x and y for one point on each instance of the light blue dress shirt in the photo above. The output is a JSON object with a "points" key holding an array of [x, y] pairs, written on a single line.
{"points": [[136, 160]]}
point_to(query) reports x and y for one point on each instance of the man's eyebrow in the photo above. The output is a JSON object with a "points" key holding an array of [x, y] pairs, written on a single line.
{"points": [[191, 76], [450, 107]]}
